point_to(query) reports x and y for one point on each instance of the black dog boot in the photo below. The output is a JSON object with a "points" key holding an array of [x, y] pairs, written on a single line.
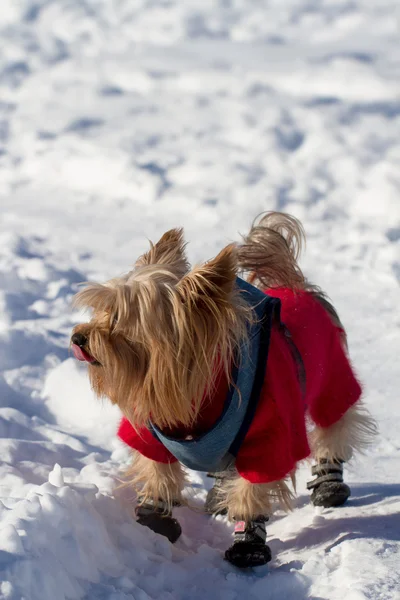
{"points": [[328, 487], [249, 548], [158, 518], [214, 495]]}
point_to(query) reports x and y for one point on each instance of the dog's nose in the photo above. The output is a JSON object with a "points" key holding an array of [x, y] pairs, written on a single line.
{"points": [[79, 339]]}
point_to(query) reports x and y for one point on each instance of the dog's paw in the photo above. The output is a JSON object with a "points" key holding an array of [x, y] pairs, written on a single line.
{"points": [[245, 555], [164, 525], [330, 494]]}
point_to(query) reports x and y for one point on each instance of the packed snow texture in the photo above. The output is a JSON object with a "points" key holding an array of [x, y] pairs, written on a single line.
{"points": [[118, 120]]}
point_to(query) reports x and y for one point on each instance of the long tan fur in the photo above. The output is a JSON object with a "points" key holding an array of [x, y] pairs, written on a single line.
{"points": [[270, 250], [269, 254], [245, 501], [352, 433], [156, 481], [159, 332]]}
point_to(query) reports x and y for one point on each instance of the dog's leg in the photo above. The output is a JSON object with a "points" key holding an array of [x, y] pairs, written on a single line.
{"points": [[250, 506], [159, 487], [212, 505], [331, 447]]}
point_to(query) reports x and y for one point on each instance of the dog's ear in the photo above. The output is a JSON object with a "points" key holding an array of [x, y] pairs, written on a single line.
{"points": [[96, 296], [212, 281], [169, 250]]}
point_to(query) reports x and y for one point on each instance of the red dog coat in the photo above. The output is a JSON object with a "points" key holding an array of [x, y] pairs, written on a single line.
{"points": [[276, 439]]}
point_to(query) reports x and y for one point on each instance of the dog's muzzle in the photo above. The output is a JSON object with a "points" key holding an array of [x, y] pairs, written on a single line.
{"points": [[79, 342]]}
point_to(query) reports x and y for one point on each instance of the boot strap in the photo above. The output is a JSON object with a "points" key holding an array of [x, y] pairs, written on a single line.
{"points": [[324, 478], [251, 531], [326, 471], [327, 467], [151, 506]]}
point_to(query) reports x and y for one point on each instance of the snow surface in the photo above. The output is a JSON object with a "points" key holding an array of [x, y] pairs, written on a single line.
{"points": [[118, 120]]}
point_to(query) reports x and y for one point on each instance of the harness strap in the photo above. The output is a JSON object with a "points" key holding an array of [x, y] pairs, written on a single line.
{"points": [[259, 377], [218, 448]]}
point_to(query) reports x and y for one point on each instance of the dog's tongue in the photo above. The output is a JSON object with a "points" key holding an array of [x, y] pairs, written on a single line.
{"points": [[80, 354]]}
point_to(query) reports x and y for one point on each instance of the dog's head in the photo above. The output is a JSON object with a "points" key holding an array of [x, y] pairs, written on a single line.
{"points": [[159, 334]]}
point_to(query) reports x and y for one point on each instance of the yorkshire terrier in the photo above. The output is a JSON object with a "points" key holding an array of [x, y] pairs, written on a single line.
{"points": [[222, 374]]}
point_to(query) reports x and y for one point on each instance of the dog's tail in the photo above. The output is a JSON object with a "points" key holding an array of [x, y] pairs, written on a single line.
{"points": [[270, 251]]}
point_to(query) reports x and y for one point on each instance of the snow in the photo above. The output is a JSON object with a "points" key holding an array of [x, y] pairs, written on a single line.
{"points": [[119, 120]]}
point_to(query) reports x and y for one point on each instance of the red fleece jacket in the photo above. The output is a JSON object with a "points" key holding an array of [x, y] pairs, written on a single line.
{"points": [[277, 438]]}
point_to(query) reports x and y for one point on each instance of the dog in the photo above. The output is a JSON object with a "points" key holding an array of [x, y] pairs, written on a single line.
{"points": [[221, 373]]}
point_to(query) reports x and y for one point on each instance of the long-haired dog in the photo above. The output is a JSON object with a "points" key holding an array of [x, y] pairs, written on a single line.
{"points": [[220, 374]]}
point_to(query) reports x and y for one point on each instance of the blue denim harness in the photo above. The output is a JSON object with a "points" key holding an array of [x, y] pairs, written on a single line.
{"points": [[216, 450]]}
